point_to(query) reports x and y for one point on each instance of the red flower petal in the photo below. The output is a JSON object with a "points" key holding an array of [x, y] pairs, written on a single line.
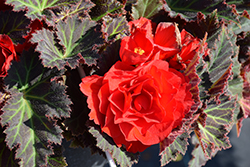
{"points": [[142, 24], [137, 48], [7, 54], [90, 87], [167, 40]]}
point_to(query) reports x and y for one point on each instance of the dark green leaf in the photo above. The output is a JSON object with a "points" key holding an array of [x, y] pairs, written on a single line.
{"points": [[199, 159], [239, 5], [189, 8], [218, 64], [236, 83], [104, 7], [33, 99], [79, 114], [146, 8], [212, 137], [243, 25], [14, 24], [76, 37], [7, 155], [178, 146], [109, 57], [204, 24], [220, 60], [81, 9], [219, 118], [57, 160], [36, 7], [114, 26], [104, 142]]}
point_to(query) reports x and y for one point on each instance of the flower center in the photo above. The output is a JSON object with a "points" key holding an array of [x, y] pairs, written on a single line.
{"points": [[139, 50]]}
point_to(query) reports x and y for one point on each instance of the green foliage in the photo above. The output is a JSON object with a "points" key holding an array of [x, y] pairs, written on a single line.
{"points": [[36, 110], [236, 83], [220, 60], [36, 8], [178, 146], [190, 8], [146, 8], [76, 39], [7, 156], [105, 7], [212, 136], [104, 142], [29, 113], [81, 9], [17, 29], [114, 26]]}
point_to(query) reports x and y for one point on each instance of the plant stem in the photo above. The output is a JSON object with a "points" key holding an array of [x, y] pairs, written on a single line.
{"points": [[110, 159]]}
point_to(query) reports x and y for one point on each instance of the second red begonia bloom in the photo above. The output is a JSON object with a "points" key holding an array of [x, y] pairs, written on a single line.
{"points": [[161, 44], [136, 48]]}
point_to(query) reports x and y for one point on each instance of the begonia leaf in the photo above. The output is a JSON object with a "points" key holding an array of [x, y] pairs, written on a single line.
{"points": [[220, 64], [77, 38], [243, 25], [108, 58], [178, 146], [146, 8], [114, 26], [199, 159], [239, 6], [14, 29], [57, 159], [212, 136], [104, 7], [7, 155], [243, 41], [36, 8], [81, 8], [218, 68], [79, 115], [104, 142], [236, 82], [205, 24], [29, 113], [235, 86], [189, 8]]}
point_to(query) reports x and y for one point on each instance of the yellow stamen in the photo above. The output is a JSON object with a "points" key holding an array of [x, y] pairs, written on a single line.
{"points": [[139, 50]]}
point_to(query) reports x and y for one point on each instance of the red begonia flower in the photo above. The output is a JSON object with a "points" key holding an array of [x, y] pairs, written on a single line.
{"points": [[136, 48], [7, 54], [190, 47], [142, 24], [167, 41], [138, 106]]}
